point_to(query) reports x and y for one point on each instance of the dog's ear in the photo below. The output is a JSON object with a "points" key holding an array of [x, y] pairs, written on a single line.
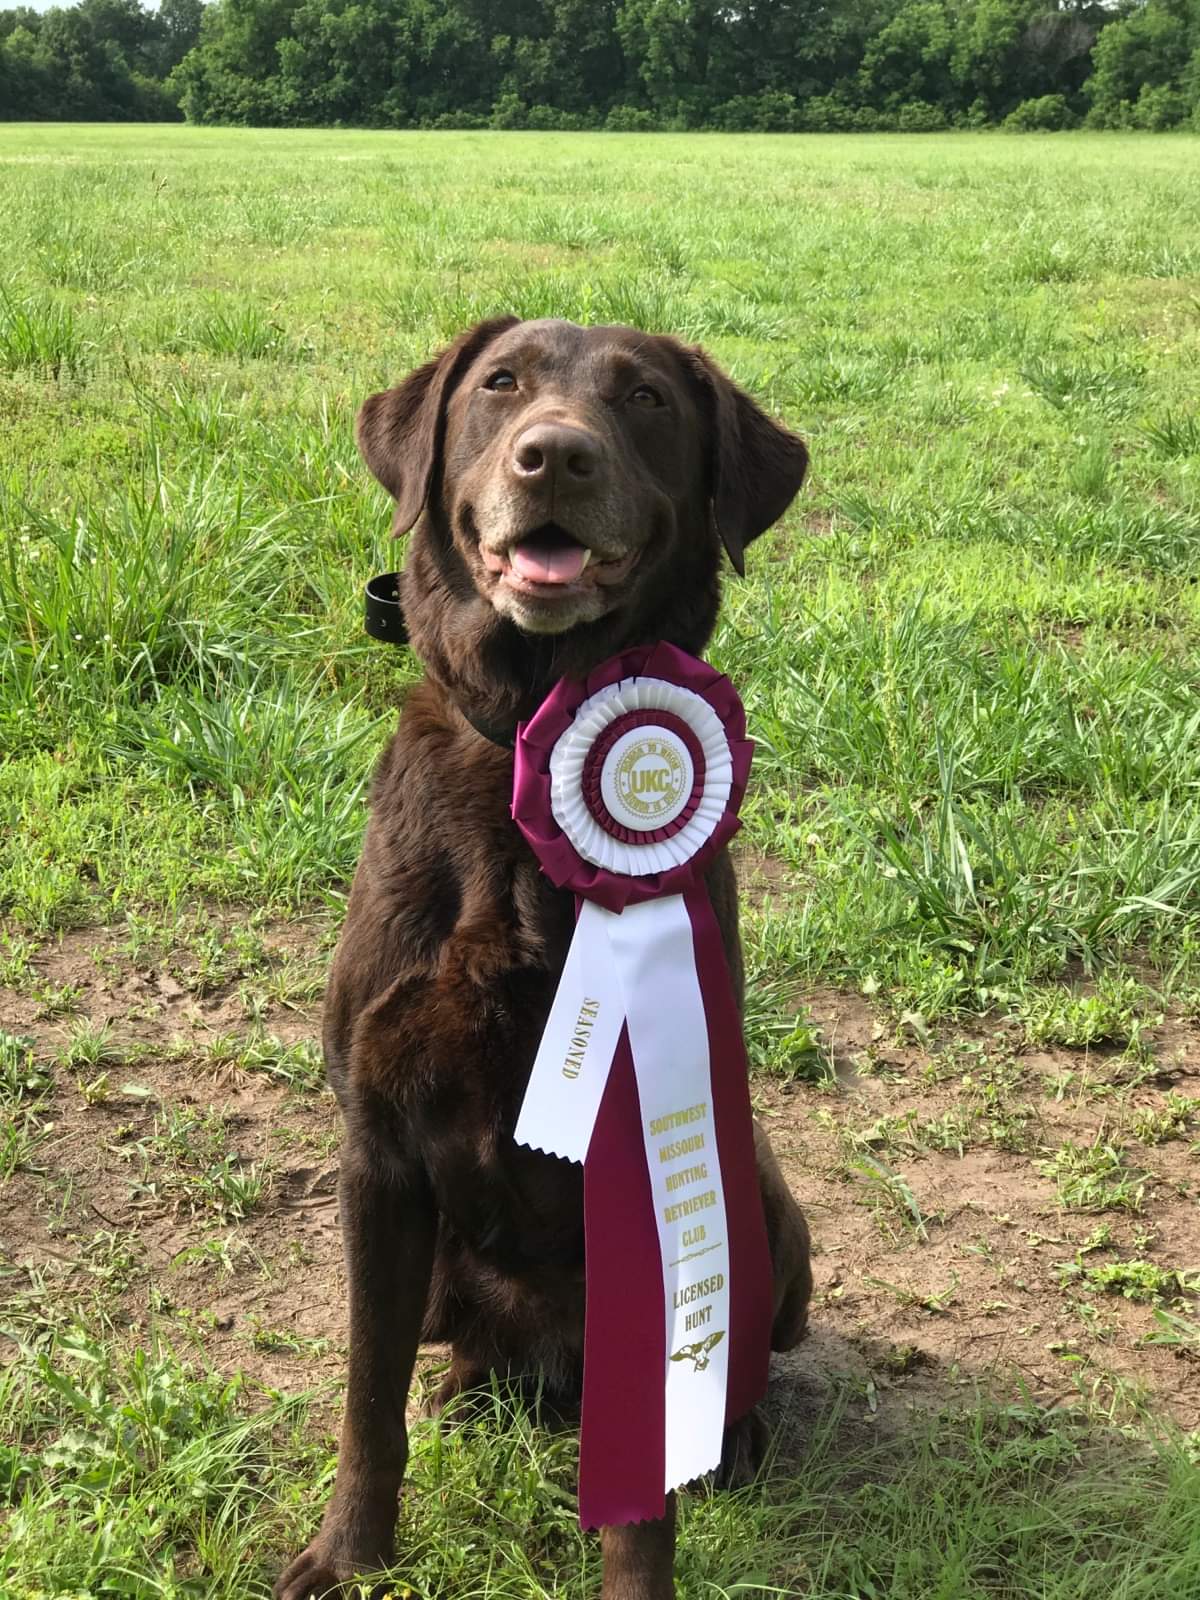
{"points": [[400, 431], [757, 466]]}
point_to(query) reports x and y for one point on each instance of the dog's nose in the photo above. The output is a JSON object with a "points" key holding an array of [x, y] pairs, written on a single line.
{"points": [[558, 454]]}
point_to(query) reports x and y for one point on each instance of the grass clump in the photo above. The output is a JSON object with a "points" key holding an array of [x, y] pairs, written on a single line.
{"points": [[1115, 1014], [25, 1085], [1174, 434], [21, 1077], [1095, 1177], [1178, 1333], [38, 334], [1143, 1281], [298, 1065], [887, 1193], [1173, 1119], [238, 330], [779, 1042], [185, 1163], [90, 1046]]}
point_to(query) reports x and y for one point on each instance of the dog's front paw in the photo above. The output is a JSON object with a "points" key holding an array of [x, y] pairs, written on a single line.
{"points": [[322, 1573], [313, 1576]]}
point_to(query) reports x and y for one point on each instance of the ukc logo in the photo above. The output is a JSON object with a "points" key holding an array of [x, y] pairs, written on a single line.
{"points": [[646, 778], [650, 778]]}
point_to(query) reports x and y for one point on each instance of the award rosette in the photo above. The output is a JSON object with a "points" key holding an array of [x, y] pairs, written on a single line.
{"points": [[627, 785]]}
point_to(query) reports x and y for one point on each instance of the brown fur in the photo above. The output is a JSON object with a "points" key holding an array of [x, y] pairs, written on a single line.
{"points": [[454, 939]]}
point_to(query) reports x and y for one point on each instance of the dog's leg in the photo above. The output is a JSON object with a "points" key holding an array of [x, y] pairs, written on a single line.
{"points": [[787, 1235], [466, 1376], [742, 1451], [388, 1236], [639, 1559]]}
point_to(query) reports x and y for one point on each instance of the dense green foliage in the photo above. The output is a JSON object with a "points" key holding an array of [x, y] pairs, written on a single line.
{"points": [[771, 66], [99, 60]]}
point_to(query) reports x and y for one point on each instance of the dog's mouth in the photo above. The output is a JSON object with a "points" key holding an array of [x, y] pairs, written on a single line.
{"points": [[549, 555], [551, 563]]}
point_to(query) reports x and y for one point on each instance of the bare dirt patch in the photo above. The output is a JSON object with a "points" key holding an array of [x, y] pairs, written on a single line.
{"points": [[193, 1191], [989, 1284], [185, 1181]]}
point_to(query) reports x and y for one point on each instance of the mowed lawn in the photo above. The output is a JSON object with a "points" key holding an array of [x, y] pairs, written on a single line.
{"points": [[971, 860]]}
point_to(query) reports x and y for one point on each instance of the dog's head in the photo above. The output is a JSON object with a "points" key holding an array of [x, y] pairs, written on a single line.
{"points": [[578, 481]]}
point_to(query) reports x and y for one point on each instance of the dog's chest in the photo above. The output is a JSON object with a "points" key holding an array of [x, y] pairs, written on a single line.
{"points": [[471, 1032], [515, 1208]]}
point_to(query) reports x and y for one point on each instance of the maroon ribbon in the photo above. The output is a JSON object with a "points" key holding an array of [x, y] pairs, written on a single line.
{"points": [[621, 1453], [622, 1437], [751, 1282]]}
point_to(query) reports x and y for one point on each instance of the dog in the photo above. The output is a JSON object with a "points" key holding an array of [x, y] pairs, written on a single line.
{"points": [[570, 490]]}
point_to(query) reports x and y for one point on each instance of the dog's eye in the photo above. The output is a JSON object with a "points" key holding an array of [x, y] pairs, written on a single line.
{"points": [[502, 382], [646, 397]]}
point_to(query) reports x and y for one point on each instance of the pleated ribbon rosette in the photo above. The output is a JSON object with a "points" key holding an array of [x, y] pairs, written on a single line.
{"points": [[627, 784]]}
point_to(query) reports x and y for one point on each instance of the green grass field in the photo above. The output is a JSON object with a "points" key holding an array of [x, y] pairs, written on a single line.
{"points": [[971, 860]]}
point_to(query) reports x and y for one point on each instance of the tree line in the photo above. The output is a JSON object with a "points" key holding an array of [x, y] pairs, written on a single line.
{"points": [[765, 65]]}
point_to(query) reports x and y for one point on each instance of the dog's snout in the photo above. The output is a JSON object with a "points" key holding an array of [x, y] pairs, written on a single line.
{"points": [[557, 453]]}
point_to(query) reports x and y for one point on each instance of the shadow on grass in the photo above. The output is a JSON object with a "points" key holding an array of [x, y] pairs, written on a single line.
{"points": [[956, 1494], [139, 1473]]}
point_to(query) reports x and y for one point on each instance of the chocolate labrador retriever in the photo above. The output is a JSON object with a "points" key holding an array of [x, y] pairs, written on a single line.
{"points": [[571, 489]]}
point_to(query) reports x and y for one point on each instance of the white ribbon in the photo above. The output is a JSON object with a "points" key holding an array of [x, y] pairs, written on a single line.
{"points": [[571, 1067], [638, 967]]}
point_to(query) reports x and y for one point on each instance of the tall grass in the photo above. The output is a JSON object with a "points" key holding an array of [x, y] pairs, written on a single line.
{"points": [[968, 653], [37, 333]]}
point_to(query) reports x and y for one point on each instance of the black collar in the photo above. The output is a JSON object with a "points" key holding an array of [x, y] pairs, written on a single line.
{"points": [[384, 619]]}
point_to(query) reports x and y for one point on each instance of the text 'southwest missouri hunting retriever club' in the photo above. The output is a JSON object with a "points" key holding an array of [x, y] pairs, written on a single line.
{"points": [[570, 492]]}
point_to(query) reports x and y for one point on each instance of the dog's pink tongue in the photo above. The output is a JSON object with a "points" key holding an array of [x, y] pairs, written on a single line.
{"points": [[559, 563]]}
